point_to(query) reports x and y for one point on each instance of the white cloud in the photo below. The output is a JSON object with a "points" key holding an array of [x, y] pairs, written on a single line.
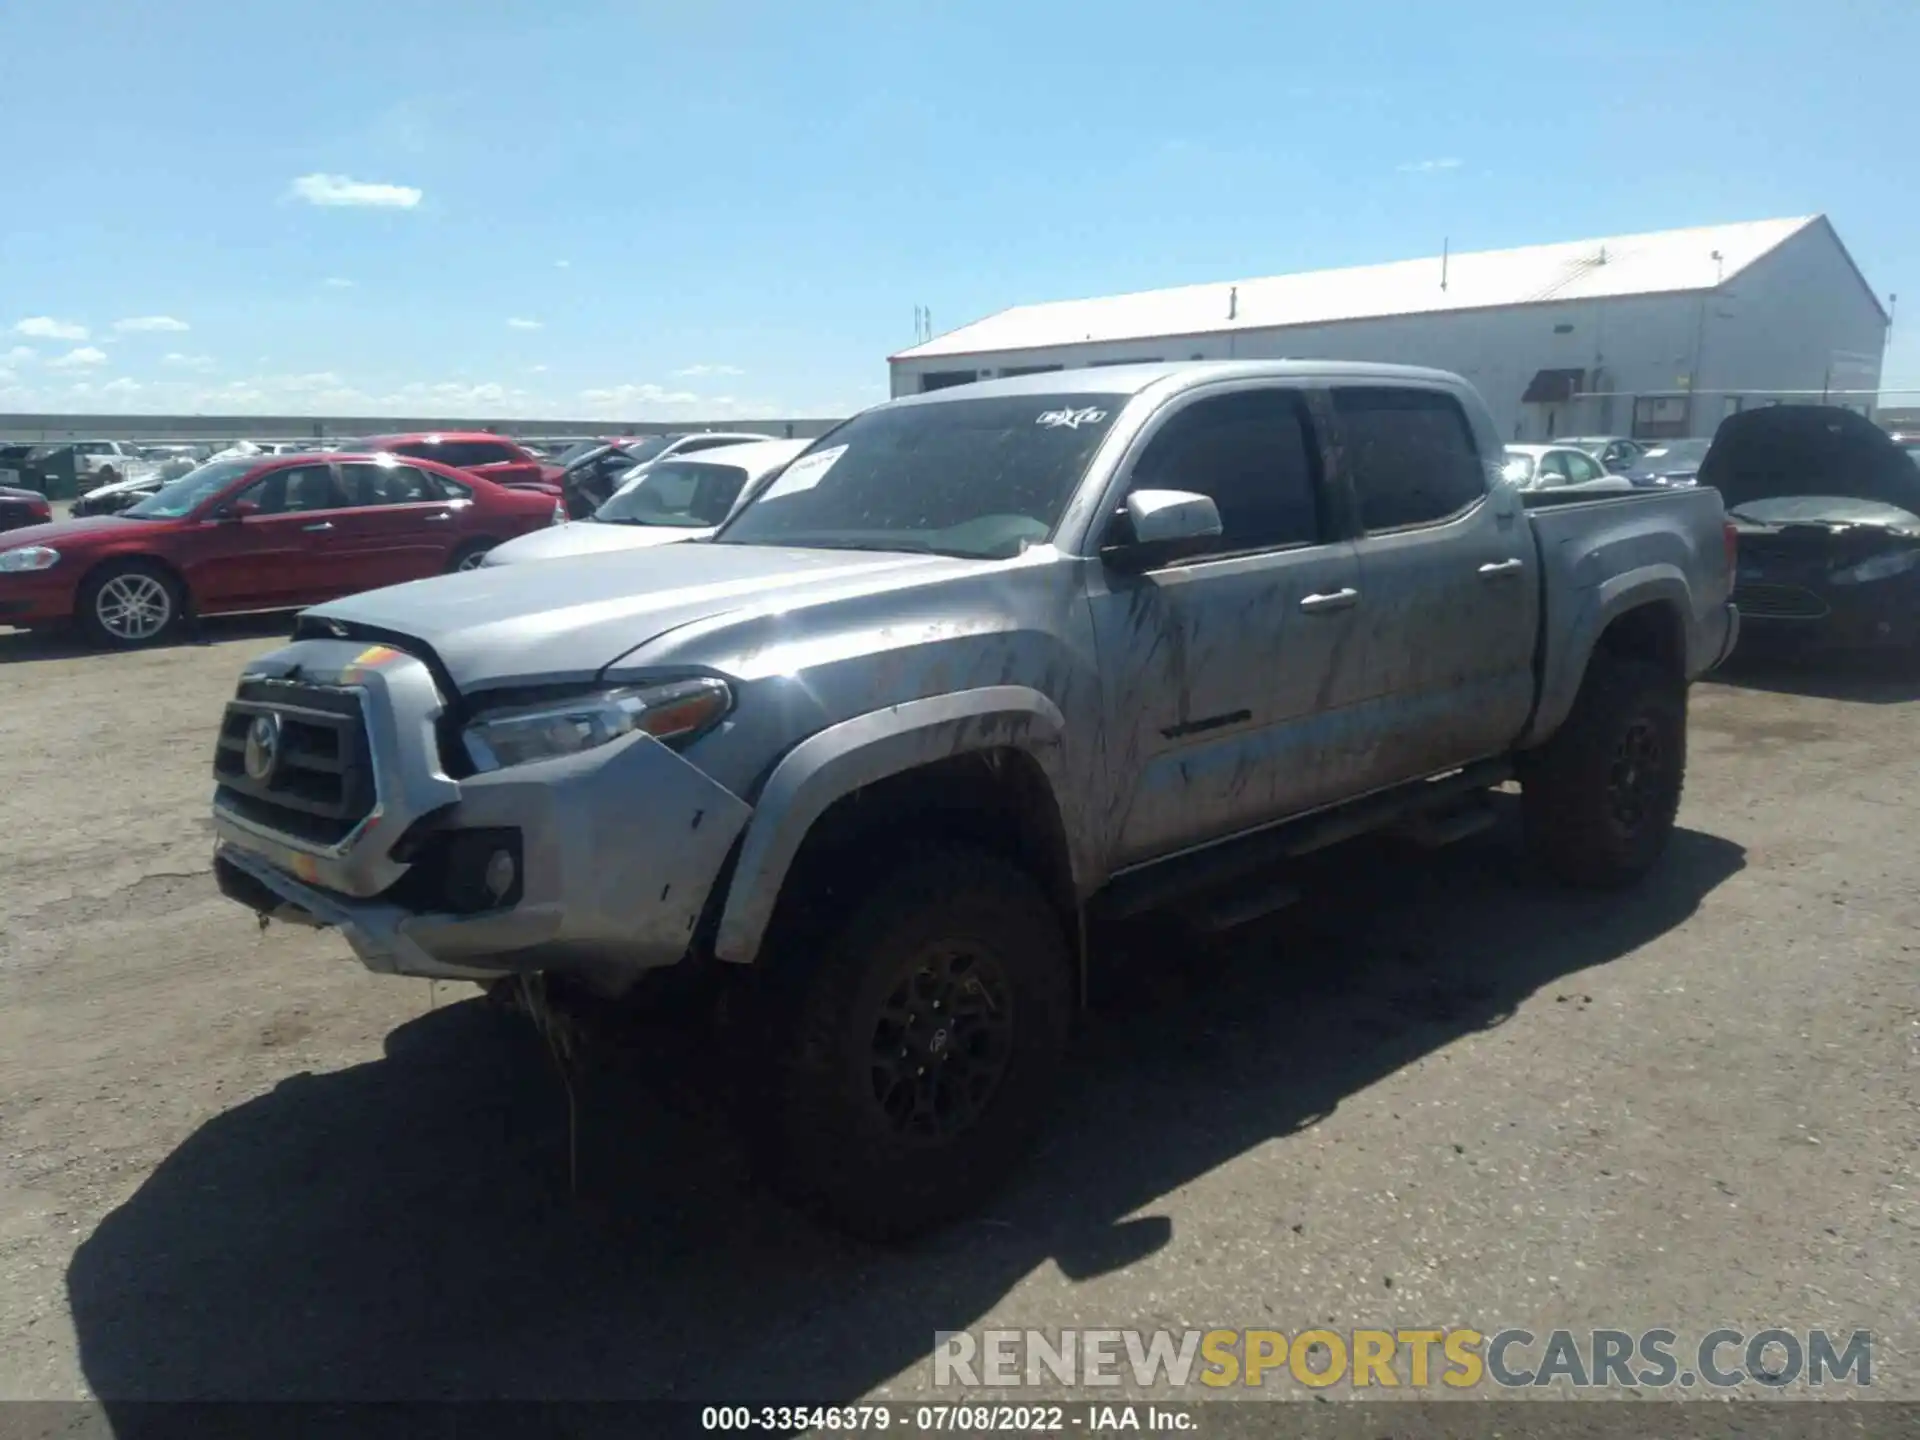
{"points": [[693, 371], [145, 324], [19, 355], [618, 395], [187, 362], [75, 359], [1427, 167], [122, 386], [536, 369], [338, 282], [518, 323], [336, 190], [45, 327], [561, 264]]}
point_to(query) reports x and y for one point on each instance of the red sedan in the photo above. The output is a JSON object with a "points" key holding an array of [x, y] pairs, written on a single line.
{"points": [[259, 533], [491, 457]]}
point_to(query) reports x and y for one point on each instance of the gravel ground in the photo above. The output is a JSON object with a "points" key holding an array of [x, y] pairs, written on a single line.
{"points": [[1439, 1093]]}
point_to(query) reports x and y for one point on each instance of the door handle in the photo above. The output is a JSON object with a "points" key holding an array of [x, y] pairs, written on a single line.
{"points": [[323, 525], [1498, 568], [1333, 600], [439, 519]]}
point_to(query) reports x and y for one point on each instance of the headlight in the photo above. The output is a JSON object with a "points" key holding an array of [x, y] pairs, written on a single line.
{"points": [[674, 712], [28, 557], [1880, 567]]}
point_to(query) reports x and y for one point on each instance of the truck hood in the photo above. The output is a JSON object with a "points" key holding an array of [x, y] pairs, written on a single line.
{"points": [[586, 537], [519, 625]]}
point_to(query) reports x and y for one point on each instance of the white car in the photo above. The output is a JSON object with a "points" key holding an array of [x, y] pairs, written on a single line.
{"points": [[678, 497], [1558, 467]]}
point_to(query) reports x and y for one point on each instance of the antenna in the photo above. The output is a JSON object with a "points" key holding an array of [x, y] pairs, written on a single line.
{"points": [[1233, 303], [1446, 254]]}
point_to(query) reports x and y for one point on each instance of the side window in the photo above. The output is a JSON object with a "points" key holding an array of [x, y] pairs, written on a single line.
{"points": [[388, 485], [469, 453], [302, 488], [1412, 456], [1580, 468], [417, 450], [1253, 454], [1553, 469]]}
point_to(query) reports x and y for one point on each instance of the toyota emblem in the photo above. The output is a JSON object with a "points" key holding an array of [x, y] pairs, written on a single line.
{"points": [[263, 748]]}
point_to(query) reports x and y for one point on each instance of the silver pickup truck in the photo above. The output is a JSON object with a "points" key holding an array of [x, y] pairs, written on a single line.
{"points": [[978, 667]]}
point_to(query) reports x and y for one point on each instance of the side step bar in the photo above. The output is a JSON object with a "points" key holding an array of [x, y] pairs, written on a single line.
{"points": [[1412, 806]]}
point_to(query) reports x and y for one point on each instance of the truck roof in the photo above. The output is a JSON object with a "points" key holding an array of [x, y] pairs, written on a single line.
{"points": [[1132, 379]]}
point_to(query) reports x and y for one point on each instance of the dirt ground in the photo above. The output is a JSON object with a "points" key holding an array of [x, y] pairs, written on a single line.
{"points": [[1439, 1093]]}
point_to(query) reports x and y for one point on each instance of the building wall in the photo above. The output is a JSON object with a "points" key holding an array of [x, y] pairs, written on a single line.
{"points": [[1779, 329], [1799, 318]]}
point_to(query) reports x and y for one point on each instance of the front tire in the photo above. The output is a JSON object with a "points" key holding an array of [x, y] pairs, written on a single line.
{"points": [[1599, 799], [924, 1046], [129, 604]]}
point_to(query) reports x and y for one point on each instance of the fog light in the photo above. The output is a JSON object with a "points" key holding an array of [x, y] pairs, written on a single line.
{"points": [[501, 872]]}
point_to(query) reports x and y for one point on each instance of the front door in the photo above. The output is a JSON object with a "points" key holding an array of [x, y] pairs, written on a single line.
{"points": [[1222, 672], [1450, 583], [279, 554]]}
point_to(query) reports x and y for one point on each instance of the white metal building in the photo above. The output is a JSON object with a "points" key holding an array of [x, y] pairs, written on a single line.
{"points": [[1650, 335]]}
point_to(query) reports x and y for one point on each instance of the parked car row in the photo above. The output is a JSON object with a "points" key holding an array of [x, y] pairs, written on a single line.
{"points": [[258, 533]]}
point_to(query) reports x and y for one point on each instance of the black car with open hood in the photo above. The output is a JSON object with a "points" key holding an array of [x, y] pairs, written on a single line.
{"points": [[1827, 509]]}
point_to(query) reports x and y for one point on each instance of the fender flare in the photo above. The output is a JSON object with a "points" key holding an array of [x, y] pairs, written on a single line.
{"points": [[855, 753], [1599, 606]]}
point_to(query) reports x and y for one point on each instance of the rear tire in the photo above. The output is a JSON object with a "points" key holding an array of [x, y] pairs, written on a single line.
{"points": [[129, 604], [1599, 799], [920, 1051], [469, 556]]}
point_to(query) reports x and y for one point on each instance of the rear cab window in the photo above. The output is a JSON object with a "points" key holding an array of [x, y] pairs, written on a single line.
{"points": [[1410, 453]]}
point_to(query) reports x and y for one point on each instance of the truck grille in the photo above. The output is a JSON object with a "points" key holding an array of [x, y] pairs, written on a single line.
{"points": [[319, 785], [1778, 602]]}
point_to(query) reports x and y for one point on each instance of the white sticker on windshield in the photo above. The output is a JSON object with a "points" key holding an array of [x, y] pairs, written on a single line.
{"points": [[1070, 419], [804, 473]]}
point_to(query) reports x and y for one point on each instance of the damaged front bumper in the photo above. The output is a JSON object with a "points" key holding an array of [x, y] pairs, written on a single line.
{"points": [[617, 848]]}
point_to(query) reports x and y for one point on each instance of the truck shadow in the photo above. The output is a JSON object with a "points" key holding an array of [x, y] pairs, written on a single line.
{"points": [[403, 1229]]}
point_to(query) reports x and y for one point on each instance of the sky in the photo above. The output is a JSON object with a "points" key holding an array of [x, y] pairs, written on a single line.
{"points": [[730, 209]]}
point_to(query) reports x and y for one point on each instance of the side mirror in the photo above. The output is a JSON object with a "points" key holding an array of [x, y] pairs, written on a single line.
{"points": [[1161, 526]]}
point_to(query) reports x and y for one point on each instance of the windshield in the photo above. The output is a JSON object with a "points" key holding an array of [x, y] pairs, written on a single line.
{"points": [[577, 451], [649, 449], [1673, 454], [679, 494], [172, 501], [980, 478], [1911, 449]]}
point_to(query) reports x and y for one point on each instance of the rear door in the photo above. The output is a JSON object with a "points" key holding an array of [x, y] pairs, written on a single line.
{"points": [[403, 526], [1223, 672], [1449, 583]]}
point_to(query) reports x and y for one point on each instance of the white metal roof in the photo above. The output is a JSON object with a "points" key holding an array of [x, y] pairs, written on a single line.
{"points": [[1660, 262]]}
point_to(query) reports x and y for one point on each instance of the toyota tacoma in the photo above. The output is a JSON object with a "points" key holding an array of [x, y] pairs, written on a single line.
{"points": [[977, 667]]}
